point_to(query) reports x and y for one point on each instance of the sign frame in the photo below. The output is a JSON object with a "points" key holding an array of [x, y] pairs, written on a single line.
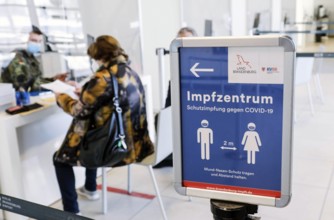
{"points": [[288, 46]]}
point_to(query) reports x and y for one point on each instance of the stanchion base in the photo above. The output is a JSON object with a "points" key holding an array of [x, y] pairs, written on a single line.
{"points": [[226, 210]]}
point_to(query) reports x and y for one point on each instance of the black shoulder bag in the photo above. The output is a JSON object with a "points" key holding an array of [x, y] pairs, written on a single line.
{"points": [[105, 146]]}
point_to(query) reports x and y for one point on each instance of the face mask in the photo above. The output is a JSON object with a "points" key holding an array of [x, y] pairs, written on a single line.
{"points": [[34, 47], [95, 66]]}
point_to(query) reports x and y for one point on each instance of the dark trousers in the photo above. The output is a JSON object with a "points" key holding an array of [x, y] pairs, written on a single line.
{"points": [[66, 182]]}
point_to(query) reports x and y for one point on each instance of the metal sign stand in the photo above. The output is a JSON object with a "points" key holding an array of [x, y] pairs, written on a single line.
{"points": [[207, 75]]}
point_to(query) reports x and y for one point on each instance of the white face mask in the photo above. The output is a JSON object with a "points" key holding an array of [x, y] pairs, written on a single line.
{"points": [[95, 65]]}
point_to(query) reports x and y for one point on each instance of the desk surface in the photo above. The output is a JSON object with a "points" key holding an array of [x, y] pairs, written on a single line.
{"points": [[28, 142]]}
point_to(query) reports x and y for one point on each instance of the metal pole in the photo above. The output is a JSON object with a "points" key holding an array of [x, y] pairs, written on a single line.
{"points": [[161, 52], [141, 35], [104, 191], [157, 192], [129, 179]]}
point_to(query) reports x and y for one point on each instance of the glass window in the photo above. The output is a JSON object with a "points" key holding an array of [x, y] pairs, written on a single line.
{"points": [[13, 2], [259, 14], [215, 20], [57, 3], [59, 20], [14, 27]]}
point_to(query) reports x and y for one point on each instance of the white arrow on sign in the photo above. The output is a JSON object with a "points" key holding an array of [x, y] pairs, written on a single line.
{"points": [[194, 70], [228, 148]]}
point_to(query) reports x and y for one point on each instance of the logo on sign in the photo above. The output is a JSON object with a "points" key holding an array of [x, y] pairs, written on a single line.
{"points": [[255, 65], [270, 70], [243, 66], [242, 61]]}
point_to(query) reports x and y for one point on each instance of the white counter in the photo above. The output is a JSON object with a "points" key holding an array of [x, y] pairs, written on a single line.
{"points": [[27, 143]]}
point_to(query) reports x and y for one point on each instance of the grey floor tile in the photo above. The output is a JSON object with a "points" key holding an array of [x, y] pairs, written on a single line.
{"points": [[306, 203], [328, 210]]}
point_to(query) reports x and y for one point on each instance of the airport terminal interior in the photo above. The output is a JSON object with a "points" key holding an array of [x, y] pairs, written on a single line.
{"points": [[295, 178]]}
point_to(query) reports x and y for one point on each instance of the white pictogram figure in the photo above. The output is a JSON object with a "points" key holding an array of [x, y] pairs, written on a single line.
{"points": [[205, 138], [252, 142]]}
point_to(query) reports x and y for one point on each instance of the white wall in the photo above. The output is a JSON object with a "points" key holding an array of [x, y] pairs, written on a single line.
{"points": [[117, 18], [161, 21], [289, 9], [239, 18], [276, 15], [264, 8], [195, 14], [304, 12]]}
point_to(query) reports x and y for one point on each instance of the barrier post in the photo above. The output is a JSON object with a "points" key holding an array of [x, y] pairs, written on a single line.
{"points": [[225, 210], [161, 52]]}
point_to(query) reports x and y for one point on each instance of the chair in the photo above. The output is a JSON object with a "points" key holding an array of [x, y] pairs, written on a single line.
{"points": [[303, 75], [163, 148]]}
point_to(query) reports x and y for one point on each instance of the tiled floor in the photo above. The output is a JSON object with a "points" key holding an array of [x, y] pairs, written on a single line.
{"points": [[312, 182]]}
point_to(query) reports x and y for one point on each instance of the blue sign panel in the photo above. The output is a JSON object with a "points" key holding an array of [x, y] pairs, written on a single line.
{"points": [[231, 119]]}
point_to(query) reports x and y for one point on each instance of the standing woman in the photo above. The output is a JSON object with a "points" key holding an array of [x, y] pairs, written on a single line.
{"points": [[94, 107]]}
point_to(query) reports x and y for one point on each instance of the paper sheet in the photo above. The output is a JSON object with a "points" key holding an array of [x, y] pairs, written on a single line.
{"points": [[60, 87]]}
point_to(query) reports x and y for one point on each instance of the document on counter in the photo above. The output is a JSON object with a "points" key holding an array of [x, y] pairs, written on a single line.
{"points": [[60, 87]]}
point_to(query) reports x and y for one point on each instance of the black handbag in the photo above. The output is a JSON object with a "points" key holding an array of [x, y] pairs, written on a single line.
{"points": [[105, 146]]}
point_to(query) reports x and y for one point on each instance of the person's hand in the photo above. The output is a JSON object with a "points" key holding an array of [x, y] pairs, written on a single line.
{"points": [[61, 76], [77, 87], [77, 91], [72, 83], [57, 94]]}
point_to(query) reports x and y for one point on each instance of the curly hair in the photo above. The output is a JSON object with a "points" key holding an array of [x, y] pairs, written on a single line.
{"points": [[106, 48]]}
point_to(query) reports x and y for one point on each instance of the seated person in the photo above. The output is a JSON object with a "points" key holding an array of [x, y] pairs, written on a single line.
{"points": [[24, 70]]}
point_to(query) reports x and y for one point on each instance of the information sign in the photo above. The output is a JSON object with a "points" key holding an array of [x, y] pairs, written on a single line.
{"points": [[232, 105]]}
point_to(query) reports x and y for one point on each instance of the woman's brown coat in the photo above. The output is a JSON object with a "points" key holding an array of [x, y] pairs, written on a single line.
{"points": [[94, 107]]}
